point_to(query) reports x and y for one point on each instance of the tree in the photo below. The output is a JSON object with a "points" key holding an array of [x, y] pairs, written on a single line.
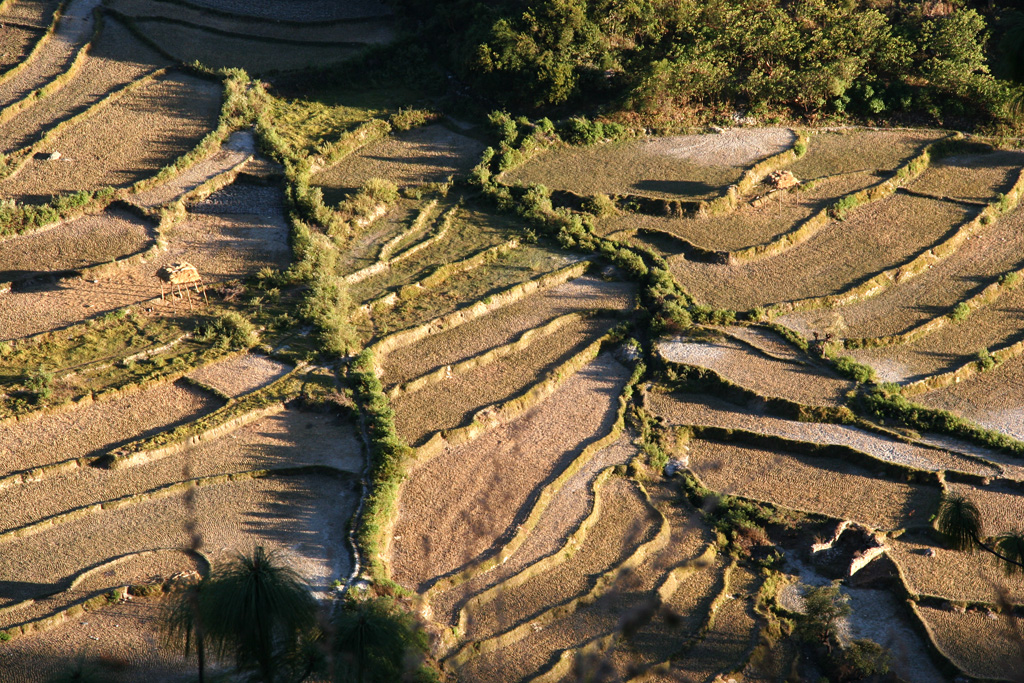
{"points": [[377, 642], [960, 523], [825, 607], [254, 610]]}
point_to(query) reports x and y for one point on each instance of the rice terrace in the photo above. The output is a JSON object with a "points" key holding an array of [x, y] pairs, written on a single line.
{"points": [[576, 341]]}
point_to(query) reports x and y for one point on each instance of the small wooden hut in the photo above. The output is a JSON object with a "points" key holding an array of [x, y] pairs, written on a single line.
{"points": [[178, 276]]}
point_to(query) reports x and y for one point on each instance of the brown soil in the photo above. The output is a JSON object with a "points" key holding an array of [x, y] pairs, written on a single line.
{"points": [[117, 59], [852, 151], [124, 142], [37, 13], [748, 225], [503, 325], [422, 155], [873, 238], [971, 177], [457, 505], [975, 265], [1001, 507], [953, 345], [241, 374], [98, 427], [982, 644], [796, 381], [86, 241], [452, 402], [567, 509], [813, 484], [952, 575], [15, 45], [703, 410], [993, 399], [75, 28]]}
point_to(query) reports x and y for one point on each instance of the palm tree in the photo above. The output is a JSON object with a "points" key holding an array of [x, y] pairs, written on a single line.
{"points": [[377, 642], [254, 609], [960, 523]]}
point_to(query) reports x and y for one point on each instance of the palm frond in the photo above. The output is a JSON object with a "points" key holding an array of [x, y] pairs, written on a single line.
{"points": [[959, 522]]}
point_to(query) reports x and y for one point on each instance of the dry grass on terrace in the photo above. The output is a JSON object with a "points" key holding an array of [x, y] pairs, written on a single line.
{"points": [[567, 509], [504, 325], [973, 177], [702, 410], [116, 59], [981, 644], [127, 141], [745, 227], [821, 485], [954, 345], [976, 264], [803, 383], [691, 166], [873, 238], [86, 241], [854, 150], [97, 427], [241, 374], [429, 154], [993, 399], [15, 45], [952, 575], [452, 402]]}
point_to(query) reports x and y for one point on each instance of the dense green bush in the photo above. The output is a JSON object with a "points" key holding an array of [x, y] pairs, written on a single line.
{"points": [[960, 312]]}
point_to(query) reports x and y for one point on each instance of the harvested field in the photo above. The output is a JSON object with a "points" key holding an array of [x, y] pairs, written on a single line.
{"points": [[952, 346], [692, 166], [732, 636], [873, 238], [567, 509], [116, 59], [820, 485], [476, 492], [747, 226], [74, 30], [702, 410], [363, 30], [121, 641], [625, 522], [95, 428], [976, 264], [1001, 506], [129, 140], [982, 644], [258, 56], [993, 399], [221, 247], [453, 402], [15, 45], [241, 374], [76, 244], [311, 11], [429, 154], [971, 177], [857, 150], [795, 380], [35, 13], [520, 265], [952, 575], [503, 325]]}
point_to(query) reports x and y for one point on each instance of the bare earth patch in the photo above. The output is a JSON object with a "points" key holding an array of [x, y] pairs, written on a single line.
{"points": [[241, 374], [993, 399]]}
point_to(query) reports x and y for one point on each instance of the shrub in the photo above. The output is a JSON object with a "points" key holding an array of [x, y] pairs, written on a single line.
{"points": [[960, 312], [862, 659], [985, 360], [39, 383], [800, 148], [405, 119], [380, 189], [844, 206], [231, 330], [582, 131], [858, 372], [504, 126], [4, 636], [601, 205], [1009, 280]]}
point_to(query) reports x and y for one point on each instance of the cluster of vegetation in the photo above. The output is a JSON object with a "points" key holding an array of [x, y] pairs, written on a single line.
{"points": [[877, 59]]}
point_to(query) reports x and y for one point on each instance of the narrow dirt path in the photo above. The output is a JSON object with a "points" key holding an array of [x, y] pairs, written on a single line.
{"points": [[74, 30]]}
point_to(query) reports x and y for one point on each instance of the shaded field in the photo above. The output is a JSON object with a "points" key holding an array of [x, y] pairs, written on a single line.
{"points": [[451, 403], [795, 380], [993, 399], [976, 264], [15, 45], [503, 325], [125, 142], [812, 484], [952, 346], [950, 574], [695, 166], [874, 237], [86, 241], [971, 177], [456, 506], [423, 155], [982, 644], [854, 151], [749, 225]]}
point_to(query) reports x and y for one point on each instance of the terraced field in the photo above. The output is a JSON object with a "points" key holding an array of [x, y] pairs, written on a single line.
{"points": [[602, 429]]}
